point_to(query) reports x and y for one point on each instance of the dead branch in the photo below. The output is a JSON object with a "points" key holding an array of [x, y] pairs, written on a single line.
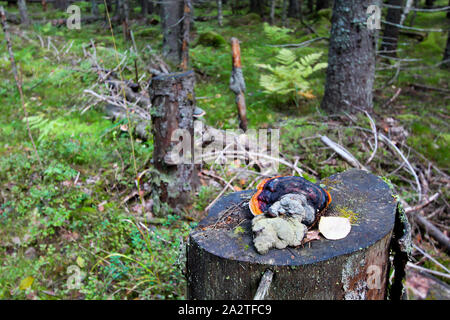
{"points": [[237, 83], [342, 152]]}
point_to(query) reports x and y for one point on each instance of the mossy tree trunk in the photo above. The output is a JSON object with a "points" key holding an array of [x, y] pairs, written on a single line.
{"points": [[390, 34], [351, 58]]}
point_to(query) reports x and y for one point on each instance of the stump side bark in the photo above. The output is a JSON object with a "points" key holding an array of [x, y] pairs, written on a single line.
{"points": [[173, 102], [223, 264]]}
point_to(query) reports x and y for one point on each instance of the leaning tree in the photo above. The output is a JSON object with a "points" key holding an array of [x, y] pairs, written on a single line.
{"points": [[351, 57]]}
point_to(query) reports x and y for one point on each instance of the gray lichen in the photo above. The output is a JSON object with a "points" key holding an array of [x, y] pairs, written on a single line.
{"points": [[293, 204], [278, 232]]}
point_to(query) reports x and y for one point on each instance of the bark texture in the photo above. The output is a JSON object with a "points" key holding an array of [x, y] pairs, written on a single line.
{"points": [[351, 58], [171, 18], [222, 262], [25, 20], [390, 34], [446, 59], [219, 13], [294, 10], [173, 102], [237, 83]]}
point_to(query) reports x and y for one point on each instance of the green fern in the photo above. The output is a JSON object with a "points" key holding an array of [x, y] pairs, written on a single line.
{"points": [[276, 34], [289, 77], [45, 126]]}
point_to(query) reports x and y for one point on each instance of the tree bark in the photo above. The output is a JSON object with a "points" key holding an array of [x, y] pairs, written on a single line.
{"points": [[351, 58], [61, 4], [390, 34], [446, 59], [272, 11], [257, 6], [284, 13], [219, 13], [237, 83], [322, 4], [25, 20], [94, 7], [222, 262], [171, 16], [185, 30], [173, 102], [429, 4], [294, 10]]}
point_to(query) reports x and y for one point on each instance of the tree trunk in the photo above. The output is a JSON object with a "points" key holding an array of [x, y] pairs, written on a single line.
{"points": [[446, 59], [219, 13], [123, 12], [322, 4], [94, 7], [222, 262], [284, 13], [294, 10], [272, 11], [171, 15], [61, 4], [257, 6], [185, 30], [351, 58], [23, 12], [310, 5], [237, 83], [173, 102], [429, 4], [390, 34]]}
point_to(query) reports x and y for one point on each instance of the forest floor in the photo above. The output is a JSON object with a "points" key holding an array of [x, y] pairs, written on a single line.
{"points": [[73, 228]]}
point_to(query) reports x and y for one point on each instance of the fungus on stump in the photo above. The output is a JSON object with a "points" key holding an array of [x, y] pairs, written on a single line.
{"points": [[173, 103], [222, 262]]}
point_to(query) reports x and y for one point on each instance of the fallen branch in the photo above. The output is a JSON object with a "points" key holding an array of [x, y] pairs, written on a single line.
{"points": [[264, 285], [422, 205], [342, 152]]}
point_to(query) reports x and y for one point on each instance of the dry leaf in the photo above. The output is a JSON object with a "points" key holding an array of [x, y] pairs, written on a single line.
{"points": [[334, 228], [26, 283], [310, 236]]}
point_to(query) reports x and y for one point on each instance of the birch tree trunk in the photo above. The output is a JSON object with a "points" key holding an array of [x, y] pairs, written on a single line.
{"points": [[351, 58]]}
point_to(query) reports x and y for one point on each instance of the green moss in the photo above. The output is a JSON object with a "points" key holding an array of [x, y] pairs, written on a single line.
{"points": [[211, 39], [347, 213]]}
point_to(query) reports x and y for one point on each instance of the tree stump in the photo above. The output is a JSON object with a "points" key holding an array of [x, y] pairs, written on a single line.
{"points": [[173, 102], [222, 262]]}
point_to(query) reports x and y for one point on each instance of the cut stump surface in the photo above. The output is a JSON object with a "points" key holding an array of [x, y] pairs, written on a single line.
{"points": [[222, 262]]}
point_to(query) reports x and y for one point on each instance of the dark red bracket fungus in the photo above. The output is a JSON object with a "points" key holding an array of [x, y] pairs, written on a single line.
{"points": [[272, 189]]}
